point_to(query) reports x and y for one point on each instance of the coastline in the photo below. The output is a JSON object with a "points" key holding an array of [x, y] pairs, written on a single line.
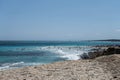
{"points": [[102, 67]]}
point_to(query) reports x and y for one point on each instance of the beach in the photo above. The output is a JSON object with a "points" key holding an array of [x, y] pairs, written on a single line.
{"points": [[101, 62], [100, 68]]}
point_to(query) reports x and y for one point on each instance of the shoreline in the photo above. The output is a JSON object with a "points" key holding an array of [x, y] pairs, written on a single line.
{"points": [[99, 66], [92, 69]]}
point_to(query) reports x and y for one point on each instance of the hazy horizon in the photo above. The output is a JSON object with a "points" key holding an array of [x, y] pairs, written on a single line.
{"points": [[64, 20]]}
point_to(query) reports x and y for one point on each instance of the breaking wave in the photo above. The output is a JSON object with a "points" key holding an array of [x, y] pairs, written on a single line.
{"points": [[68, 52], [17, 65]]}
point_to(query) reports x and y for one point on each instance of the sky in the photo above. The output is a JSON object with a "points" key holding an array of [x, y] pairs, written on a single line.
{"points": [[59, 19]]}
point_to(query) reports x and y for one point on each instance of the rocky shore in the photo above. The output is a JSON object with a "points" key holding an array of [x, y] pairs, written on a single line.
{"points": [[101, 51], [104, 67]]}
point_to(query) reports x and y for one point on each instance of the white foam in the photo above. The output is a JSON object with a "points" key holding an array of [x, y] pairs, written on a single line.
{"points": [[69, 52], [71, 57], [11, 65], [4, 68], [17, 65], [68, 55]]}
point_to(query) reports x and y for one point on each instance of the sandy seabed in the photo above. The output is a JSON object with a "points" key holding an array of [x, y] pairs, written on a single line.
{"points": [[101, 68]]}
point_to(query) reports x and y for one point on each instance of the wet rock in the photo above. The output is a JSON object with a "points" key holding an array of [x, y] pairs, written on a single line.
{"points": [[101, 51]]}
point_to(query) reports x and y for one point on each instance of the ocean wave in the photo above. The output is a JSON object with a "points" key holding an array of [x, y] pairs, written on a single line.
{"points": [[69, 52], [11, 65], [17, 65], [43, 55]]}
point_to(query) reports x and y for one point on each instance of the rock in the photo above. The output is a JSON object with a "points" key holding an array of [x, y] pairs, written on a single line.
{"points": [[113, 50], [100, 52], [84, 56]]}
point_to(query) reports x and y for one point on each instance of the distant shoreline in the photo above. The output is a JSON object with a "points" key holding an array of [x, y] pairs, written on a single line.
{"points": [[112, 40]]}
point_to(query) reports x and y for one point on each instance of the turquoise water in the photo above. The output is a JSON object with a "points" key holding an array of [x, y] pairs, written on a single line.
{"points": [[14, 54]]}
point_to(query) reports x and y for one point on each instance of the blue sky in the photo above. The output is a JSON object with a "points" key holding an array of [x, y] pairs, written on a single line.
{"points": [[59, 19]]}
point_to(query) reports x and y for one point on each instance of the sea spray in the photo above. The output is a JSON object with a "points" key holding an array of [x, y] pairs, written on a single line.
{"points": [[68, 52]]}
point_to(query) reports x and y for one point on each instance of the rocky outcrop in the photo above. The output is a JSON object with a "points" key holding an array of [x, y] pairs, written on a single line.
{"points": [[113, 50], [100, 52]]}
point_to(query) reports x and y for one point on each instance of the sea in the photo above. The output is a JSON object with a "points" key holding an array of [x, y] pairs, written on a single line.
{"points": [[16, 54]]}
